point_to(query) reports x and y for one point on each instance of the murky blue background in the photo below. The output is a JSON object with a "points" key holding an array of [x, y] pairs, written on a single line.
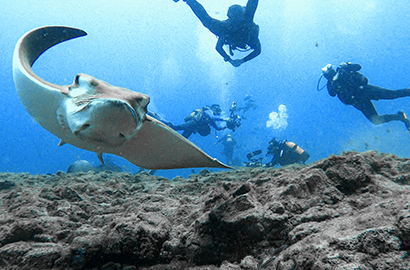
{"points": [[160, 48]]}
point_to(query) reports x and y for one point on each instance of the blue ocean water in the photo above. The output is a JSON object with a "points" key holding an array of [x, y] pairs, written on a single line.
{"points": [[161, 49]]}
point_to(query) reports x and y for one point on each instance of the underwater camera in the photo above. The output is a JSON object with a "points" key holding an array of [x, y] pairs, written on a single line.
{"points": [[234, 123], [253, 160], [250, 155], [234, 120]]}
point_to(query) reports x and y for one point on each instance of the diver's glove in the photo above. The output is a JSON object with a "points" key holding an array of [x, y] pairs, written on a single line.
{"points": [[236, 62]]}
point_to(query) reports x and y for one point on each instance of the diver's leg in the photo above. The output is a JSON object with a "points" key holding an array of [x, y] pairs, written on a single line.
{"points": [[159, 118], [212, 24], [368, 109], [375, 93], [184, 126], [187, 133], [187, 127], [384, 118]]}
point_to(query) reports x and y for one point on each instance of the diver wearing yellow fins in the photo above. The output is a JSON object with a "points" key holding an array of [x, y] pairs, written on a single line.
{"points": [[353, 88], [201, 120]]}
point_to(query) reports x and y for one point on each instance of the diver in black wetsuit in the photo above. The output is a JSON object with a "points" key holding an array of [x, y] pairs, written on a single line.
{"points": [[285, 153], [239, 31], [352, 88], [250, 103]]}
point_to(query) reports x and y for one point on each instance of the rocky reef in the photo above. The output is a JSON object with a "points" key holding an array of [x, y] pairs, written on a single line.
{"points": [[344, 212]]}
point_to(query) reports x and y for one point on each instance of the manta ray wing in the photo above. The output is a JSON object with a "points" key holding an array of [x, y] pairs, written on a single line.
{"points": [[156, 146]]}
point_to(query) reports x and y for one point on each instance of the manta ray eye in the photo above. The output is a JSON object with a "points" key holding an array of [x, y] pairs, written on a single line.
{"points": [[85, 126], [122, 136], [93, 83], [77, 79]]}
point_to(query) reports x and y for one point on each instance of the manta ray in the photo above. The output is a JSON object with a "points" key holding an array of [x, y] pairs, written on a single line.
{"points": [[96, 116]]}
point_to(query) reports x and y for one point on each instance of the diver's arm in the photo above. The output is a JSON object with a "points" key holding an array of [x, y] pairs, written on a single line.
{"points": [[215, 126], [219, 48], [256, 51], [199, 10], [362, 80], [213, 117], [330, 89], [251, 7], [214, 25]]}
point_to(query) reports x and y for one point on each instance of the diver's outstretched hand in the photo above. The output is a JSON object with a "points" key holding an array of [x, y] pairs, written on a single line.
{"points": [[236, 62]]}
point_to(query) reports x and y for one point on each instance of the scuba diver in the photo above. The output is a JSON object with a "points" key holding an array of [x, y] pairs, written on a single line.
{"points": [[200, 120], [353, 88], [229, 144], [250, 103], [285, 153], [239, 31]]}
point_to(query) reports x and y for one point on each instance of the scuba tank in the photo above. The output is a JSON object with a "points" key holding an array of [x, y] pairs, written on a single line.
{"points": [[303, 156]]}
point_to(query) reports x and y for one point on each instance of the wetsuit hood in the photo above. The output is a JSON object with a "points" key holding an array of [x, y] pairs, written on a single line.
{"points": [[236, 12]]}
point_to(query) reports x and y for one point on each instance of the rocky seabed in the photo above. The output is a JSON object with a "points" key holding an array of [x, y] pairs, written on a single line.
{"points": [[344, 212]]}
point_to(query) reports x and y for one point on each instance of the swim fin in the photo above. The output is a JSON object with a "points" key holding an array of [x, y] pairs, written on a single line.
{"points": [[405, 120]]}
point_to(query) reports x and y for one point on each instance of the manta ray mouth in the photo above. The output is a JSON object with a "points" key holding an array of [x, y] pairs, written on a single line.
{"points": [[115, 103], [130, 109], [121, 105], [105, 121]]}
